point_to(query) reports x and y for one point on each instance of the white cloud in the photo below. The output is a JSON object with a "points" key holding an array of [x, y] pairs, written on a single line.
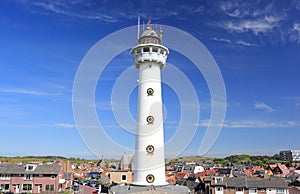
{"points": [[222, 40], [295, 33], [263, 106], [24, 91], [239, 42], [67, 8], [244, 43], [256, 26], [296, 27], [253, 124], [65, 125]]}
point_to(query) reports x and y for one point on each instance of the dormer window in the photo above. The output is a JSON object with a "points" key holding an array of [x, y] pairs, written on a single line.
{"points": [[219, 180], [30, 167]]}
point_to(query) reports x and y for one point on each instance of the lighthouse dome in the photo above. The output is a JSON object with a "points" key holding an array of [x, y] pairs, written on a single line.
{"points": [[149, 32], [149, 36]]}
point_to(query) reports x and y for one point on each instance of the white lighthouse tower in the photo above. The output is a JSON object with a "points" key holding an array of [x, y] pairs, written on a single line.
{"points": [[149, 57], [149, 165]]}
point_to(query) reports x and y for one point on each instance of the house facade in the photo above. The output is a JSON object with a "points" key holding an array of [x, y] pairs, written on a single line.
{"points": [[31, 178], [290, 155], [120, 177], [246, 185]]}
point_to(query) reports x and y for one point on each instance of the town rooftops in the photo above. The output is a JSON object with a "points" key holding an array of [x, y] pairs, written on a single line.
{"points": [[29, 168], [249, 182]]}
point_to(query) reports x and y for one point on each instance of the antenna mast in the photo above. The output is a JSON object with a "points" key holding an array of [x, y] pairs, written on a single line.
{"points": [[138, 34]]}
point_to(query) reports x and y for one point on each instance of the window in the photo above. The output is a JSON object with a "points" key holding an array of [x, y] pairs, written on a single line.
{"points": [[279, 190], [219, 180], [30, 167], [27, 176], [146, 49], [138, 51], [124, 177], [239, 189], [27, 187], [52, 177], [252, 190], [219, 188], [49, 188], [162, 51], [4, 187], [154, 49], [5, 176]]}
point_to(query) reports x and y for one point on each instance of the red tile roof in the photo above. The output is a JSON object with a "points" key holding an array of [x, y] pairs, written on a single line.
{"points": [[248, 172]]}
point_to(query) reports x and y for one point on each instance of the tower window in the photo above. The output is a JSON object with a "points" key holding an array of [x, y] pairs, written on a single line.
{"points": [[150, 178], [150, 119], [150, 91], [146, 49], [150, 149], [154, 49]]}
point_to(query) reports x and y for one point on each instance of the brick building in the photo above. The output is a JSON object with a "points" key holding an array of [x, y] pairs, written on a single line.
{"points": [[247, 185], [31, 178]]}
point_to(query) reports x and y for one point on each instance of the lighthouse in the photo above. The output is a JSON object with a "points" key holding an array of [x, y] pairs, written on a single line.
{"points": [[149, 58], [149, 160]]}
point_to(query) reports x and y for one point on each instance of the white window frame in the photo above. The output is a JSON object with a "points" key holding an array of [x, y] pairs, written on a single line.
{"points": [[125, 177], [2, 186], [280, 190], [28, 176], [30, 190], [5, 176], [252, 189]]}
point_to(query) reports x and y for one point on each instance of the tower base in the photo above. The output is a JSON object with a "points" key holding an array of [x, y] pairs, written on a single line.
{"points": [[167, 189]]}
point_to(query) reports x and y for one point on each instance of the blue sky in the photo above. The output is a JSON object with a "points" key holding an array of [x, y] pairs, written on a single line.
{"points": [[256, 46]]}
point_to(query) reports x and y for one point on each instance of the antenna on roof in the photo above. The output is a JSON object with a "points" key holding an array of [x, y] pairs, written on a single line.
{"points": [[156, 27], [160, 33], [138, 34]]}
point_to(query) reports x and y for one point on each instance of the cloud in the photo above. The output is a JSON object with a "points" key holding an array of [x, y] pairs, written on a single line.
{"points": [[295, 32], [263, 106], [244, 43], [222, 40], [238, 42], [253, 124], [107, 11], [65, 125], [71, 9], [256, 26], [25, 91], [267, 21]]}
